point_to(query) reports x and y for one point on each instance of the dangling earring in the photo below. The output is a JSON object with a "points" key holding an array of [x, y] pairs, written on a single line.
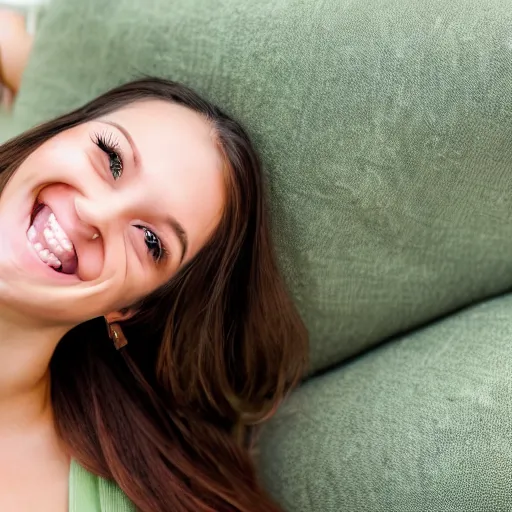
{"points": [[116, 334]]}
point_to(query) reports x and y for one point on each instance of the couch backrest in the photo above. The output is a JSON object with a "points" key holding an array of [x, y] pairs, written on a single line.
{"points": [[384, 127]]}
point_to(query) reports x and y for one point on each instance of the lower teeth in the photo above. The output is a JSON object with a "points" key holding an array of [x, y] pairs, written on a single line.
{"points": [[50, 242]]}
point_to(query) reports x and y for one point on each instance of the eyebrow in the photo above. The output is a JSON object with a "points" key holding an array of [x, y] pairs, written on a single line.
{"points": [[180, 233], [175, 226]]}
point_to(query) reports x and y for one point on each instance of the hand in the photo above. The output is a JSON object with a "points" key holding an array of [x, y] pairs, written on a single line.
{"points": [[15, 45], [6, 98]]}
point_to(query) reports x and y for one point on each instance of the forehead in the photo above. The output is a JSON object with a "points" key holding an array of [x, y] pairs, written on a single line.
{"points": [[181, 166], [170, 127]]}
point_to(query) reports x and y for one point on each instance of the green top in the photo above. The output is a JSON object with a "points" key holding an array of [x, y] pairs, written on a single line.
{"points": [[90, 493]]}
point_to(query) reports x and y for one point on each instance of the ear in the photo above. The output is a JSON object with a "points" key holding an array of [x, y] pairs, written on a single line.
{"points": [[119, 316]]}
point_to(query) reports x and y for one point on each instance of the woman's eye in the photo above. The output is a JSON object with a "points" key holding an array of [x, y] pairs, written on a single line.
{"points": [[116, 165], [108, 144], [152, 243]]}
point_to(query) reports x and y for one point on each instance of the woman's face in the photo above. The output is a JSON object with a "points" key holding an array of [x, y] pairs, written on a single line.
{"points": [[104, 213]]}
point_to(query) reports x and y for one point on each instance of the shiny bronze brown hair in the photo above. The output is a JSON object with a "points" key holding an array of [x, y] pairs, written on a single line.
{"points": [[172, 416]]}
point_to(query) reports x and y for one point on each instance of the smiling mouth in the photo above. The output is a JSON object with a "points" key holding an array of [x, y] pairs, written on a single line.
{"points": [[50, 241]]}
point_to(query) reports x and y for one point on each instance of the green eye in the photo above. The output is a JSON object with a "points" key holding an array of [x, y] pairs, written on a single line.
{"points": [[116, 165], [110, 146]]}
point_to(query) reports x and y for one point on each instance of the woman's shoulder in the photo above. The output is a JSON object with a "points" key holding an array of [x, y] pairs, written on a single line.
{"points": [[90, 493]]}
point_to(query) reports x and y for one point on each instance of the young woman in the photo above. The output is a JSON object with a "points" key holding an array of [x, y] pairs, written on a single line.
{"points": [[145, 331]]}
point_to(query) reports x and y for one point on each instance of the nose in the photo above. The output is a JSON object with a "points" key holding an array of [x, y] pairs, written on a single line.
{"points": [[99, 216]]}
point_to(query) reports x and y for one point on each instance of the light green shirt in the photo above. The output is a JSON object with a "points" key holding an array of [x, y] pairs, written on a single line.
{"points": [[90, 493]]}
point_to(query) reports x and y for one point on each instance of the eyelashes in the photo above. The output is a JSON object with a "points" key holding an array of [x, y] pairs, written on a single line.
{"points": [[107, 142]]}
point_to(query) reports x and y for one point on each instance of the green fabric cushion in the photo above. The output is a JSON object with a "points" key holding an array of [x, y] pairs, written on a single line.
{"points": [[421, 424], [384, 127], [7, 128]]}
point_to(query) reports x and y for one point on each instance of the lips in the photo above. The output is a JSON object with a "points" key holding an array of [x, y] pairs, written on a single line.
{"points": [[50, 241]]}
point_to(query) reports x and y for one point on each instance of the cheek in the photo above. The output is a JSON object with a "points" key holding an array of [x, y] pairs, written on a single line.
{"points": [[65, 157], [139, 284], [66, 149], [91, 261]]}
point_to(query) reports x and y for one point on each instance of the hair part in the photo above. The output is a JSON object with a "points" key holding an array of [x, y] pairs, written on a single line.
{"points": [[172, 417]]}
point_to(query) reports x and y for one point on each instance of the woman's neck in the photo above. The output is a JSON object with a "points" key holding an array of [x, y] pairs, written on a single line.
{"points": [[25, 353]]}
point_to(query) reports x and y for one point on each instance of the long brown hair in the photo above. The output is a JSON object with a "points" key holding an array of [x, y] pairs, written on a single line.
{"points": [[172, 416]]}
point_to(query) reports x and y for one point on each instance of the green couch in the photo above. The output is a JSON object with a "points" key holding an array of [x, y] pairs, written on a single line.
{"points": [[385, 129]]}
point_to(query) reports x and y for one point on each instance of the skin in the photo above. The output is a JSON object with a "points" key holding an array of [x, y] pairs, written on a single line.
{"points": [[15, 45], [179, 173]]}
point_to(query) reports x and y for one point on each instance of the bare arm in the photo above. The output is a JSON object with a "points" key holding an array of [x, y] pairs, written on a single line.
{"points": [[15, 45]]}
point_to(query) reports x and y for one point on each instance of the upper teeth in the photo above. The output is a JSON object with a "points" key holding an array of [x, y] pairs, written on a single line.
{"points": [[56, 232]]}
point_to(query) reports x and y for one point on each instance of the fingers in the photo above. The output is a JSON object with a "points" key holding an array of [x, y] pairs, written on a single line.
{"points": [[15, 45], [6, 98]]}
